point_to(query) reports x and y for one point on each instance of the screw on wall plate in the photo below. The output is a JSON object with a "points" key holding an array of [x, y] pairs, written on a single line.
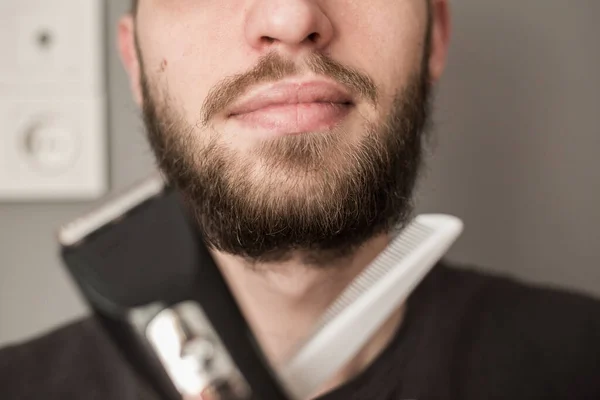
{"points": [[44, 39]]}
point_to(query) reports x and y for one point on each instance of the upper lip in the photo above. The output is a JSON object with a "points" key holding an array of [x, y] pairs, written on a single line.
{"points": [[297, 92]]}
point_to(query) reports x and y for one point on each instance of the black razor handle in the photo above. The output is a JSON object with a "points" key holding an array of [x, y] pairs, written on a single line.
{"points": [[150, 258]]}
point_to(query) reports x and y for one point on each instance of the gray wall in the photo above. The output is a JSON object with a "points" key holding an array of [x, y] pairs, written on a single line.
{"points": [[519, 137], [516, 138]]}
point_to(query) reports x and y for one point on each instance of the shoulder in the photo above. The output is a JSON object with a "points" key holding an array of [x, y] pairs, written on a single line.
{"points": [[74, 362], [527, 340]]}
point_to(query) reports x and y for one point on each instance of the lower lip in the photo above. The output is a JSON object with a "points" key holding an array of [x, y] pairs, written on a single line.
{"points": [[290, 119]]}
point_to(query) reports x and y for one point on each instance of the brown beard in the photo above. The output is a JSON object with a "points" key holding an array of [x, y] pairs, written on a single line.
{"points": [[314, 195]]}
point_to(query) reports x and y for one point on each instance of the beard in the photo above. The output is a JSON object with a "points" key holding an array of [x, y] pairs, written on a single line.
{"points": [[315, 196]]}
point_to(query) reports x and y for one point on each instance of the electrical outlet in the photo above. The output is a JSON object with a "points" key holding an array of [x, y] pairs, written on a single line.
{"points": [[52, 100]]}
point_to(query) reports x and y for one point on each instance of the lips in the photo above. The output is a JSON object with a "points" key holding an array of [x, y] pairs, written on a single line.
{"points": [[291, 94], [292, 108]]}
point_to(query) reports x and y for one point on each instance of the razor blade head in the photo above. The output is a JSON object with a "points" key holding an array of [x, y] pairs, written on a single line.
{"points": [[142, 265]]}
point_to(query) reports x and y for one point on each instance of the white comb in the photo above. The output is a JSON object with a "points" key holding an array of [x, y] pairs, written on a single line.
{"points": [[368, 302]]}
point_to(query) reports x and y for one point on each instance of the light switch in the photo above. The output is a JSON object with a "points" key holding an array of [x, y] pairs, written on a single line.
{"points": [[52, 100], [50, 146]]}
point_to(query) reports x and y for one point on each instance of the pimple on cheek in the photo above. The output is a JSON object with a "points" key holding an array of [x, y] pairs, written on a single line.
{"points": [[163, 65]]}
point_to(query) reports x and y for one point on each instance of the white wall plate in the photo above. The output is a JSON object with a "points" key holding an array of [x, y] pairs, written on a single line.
{"points": [[52, 100]]}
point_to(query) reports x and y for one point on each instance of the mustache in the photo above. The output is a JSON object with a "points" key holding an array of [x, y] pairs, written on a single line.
{"points": [[273, 67]]}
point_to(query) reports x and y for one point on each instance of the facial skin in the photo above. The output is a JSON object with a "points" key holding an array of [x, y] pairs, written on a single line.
{"points": [[293, 190], [267, 197]]}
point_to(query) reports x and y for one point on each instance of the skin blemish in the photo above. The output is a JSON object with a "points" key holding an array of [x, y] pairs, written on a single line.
{"points": [[163, 66]]}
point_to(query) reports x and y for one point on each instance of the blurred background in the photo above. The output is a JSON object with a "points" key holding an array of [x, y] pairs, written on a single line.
{"points": [[516, 127]]}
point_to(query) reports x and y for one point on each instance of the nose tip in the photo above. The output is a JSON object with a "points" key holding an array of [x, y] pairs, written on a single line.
{"points": [[288, 23]]}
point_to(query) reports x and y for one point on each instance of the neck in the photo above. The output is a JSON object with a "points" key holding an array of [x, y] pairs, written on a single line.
{"points": [[283, 302]]}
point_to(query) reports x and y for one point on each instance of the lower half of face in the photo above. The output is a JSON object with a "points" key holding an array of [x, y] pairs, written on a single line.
{"points": [[315, 181], [319, 194]]}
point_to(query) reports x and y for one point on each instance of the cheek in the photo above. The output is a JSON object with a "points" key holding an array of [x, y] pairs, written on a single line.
{"points": [[184, 56], [384, 40]]}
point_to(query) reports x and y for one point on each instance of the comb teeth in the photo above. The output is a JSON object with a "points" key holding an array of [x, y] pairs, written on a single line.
{"points": [[409, 238], [367, 302]]}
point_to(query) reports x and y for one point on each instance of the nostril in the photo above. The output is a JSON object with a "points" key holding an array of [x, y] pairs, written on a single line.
{"points": [[268, 39], [314, 37]]}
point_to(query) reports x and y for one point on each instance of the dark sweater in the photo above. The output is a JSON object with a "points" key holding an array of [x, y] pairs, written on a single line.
{"points": [[467, 335]]}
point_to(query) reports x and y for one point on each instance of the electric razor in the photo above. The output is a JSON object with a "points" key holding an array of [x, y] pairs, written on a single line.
{"points": [[141, 264]]}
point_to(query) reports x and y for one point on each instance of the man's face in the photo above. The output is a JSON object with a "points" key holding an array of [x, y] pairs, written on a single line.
{"points": [[292, 127]]}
